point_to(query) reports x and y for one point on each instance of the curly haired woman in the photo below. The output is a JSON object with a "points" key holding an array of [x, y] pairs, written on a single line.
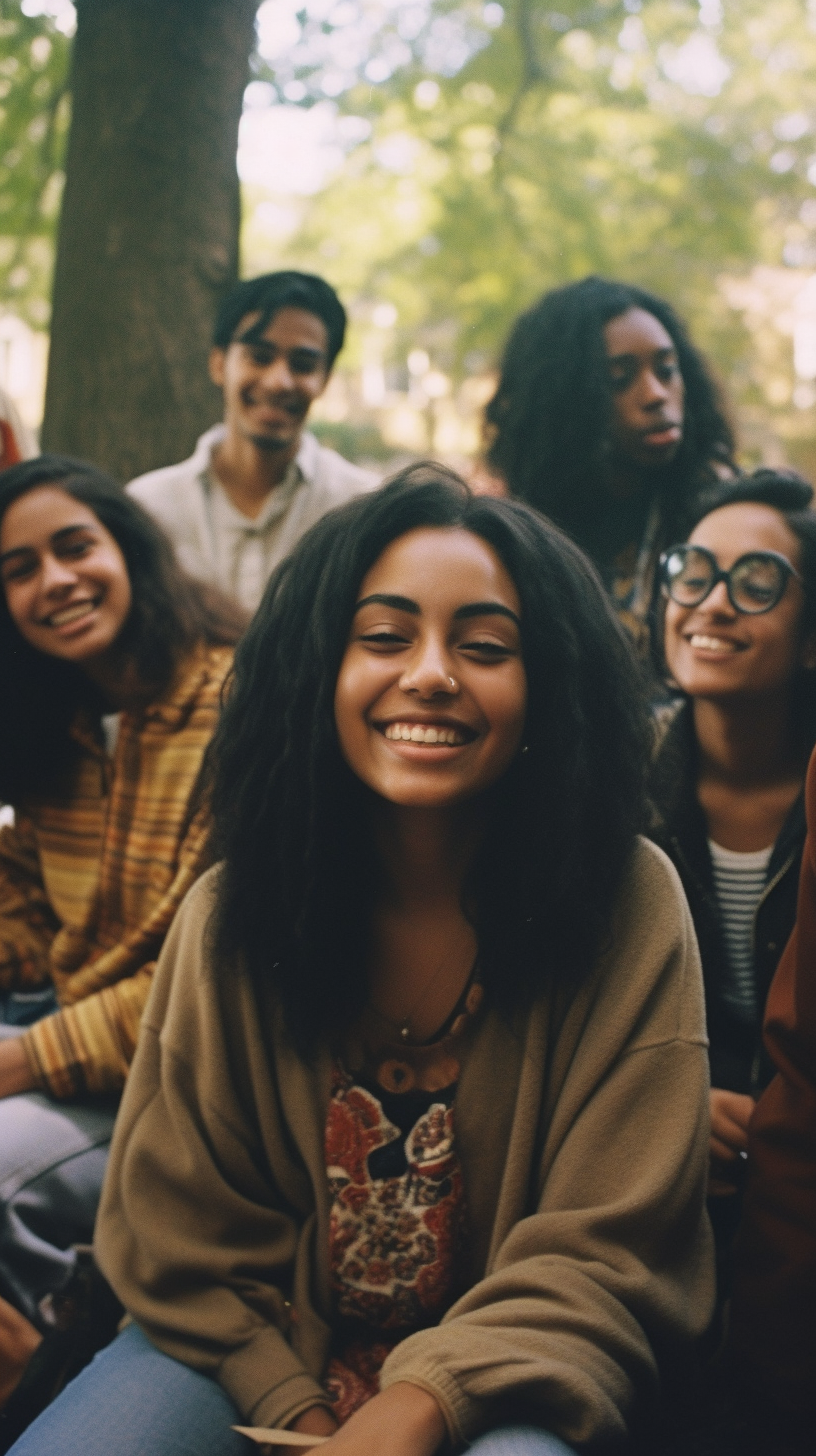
{"points": [[413, 1150], [607, 419]]}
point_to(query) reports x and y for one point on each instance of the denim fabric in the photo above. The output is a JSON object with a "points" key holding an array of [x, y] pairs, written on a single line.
{"points": [[133, 1401], [520, 1441], [19, 1009]]}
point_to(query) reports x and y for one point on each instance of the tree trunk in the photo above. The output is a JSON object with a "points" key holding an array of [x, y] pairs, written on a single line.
{"points": [[148, 237]]}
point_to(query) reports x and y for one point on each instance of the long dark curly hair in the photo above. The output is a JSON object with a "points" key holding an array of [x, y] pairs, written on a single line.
{"points": [[300, 870], [170, 614], [550, 416]]}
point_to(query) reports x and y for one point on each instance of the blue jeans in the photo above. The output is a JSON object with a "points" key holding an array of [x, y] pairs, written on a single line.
{"points": [[52, 1162], [133, 1401], [19, 1009]]}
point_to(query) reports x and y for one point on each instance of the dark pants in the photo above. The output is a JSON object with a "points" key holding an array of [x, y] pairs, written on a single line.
{"points": [[52, 1162]]}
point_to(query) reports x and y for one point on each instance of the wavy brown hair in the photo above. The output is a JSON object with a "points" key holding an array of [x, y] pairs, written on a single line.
{"points": [[171, 613]]}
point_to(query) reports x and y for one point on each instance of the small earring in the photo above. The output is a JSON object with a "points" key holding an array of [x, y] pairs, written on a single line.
{"points": [[525, 748]]}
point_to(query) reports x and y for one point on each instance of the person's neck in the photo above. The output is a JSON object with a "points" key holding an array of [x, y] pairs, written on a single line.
{"points": [[117, 678], [248, 472], [426, 853], [747, 744], [627, 481]]}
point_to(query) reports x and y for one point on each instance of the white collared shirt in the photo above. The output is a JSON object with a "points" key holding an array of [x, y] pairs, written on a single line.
{"points": [[216, 542]]}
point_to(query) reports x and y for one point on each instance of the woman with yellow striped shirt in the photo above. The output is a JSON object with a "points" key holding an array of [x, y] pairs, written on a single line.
{"points": [[112, 663]]}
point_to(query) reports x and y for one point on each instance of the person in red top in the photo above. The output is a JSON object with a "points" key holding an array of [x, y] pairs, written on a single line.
{"points": [[773, 1317], [15, 442]]}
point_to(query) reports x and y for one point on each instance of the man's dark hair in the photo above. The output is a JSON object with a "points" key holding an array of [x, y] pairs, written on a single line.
{"points": [[170, 614], [292, 819], [272, 292], [791, 495], [553, 407]]}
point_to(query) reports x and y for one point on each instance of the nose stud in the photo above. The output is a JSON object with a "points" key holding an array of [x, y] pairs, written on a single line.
{"points": [[452, 681]]}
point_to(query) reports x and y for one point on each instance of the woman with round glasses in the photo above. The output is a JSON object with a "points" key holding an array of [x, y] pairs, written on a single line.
{"points": [[739, 641], [607, 419]]}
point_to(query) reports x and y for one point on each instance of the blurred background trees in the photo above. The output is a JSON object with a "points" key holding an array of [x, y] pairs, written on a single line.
{"points": [[148, 235], [444, 161], [34, 118]]}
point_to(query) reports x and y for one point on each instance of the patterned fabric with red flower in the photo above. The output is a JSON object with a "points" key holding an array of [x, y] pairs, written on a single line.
{"points": [[396, 1233]]}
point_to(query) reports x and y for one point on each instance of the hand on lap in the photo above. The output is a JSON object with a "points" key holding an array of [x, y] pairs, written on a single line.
{"points": [[730, 1114], [15, 1071], [403, 1420]]}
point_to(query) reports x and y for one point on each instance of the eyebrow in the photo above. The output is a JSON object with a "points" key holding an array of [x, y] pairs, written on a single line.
{"points": [[405, 604], [286, 349], [310, 350], [54, 539]]}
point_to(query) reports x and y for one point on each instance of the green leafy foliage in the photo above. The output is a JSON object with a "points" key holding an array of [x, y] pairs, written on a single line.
{"points": [[667, 142], [34, 119], [494, 151]]}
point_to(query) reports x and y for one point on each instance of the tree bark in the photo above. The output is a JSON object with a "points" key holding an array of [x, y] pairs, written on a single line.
{"points": [[148, 238]]}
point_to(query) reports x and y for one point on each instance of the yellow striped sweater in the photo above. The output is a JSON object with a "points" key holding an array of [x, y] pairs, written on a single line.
{"points": [[90, 883]]}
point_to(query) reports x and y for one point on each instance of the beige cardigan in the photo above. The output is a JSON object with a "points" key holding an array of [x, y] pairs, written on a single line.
{"points": [[583, 1140]]}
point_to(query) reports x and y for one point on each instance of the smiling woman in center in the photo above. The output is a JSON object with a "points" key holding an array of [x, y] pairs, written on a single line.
{"points": [[420, 1104], [433, 672]]}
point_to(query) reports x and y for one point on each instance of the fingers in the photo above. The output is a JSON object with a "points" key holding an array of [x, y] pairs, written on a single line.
{"points": [[730, 1115], [18, 1341], [721, 1151], [719, 1188]]}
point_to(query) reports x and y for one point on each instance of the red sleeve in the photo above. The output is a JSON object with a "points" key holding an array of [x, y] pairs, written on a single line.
{"points": [[774, 1303], [9, 449]]}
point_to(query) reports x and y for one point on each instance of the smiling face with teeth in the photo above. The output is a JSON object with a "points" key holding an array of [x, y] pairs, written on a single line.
{"points": [[431, 695], [64, 577], [712, 650]]}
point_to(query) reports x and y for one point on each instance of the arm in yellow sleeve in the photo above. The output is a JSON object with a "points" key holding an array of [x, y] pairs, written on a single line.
{"points": [[88, 1047], [28, 924]]}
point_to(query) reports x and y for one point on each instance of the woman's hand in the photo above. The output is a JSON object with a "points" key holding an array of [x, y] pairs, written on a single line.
{"points": [[15, 1071], [403, 1420], [18, 1341], [317, 1421], [731, 1113]]}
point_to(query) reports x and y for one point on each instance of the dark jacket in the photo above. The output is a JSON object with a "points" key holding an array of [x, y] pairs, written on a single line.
{"points": [[773, 1323], [738, 1058]]}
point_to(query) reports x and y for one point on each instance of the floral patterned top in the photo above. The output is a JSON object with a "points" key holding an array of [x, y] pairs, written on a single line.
{"points": [[396, 1234]]}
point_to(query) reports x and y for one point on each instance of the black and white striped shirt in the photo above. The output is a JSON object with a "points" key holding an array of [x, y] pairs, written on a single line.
{"points": [[739, 879]]}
